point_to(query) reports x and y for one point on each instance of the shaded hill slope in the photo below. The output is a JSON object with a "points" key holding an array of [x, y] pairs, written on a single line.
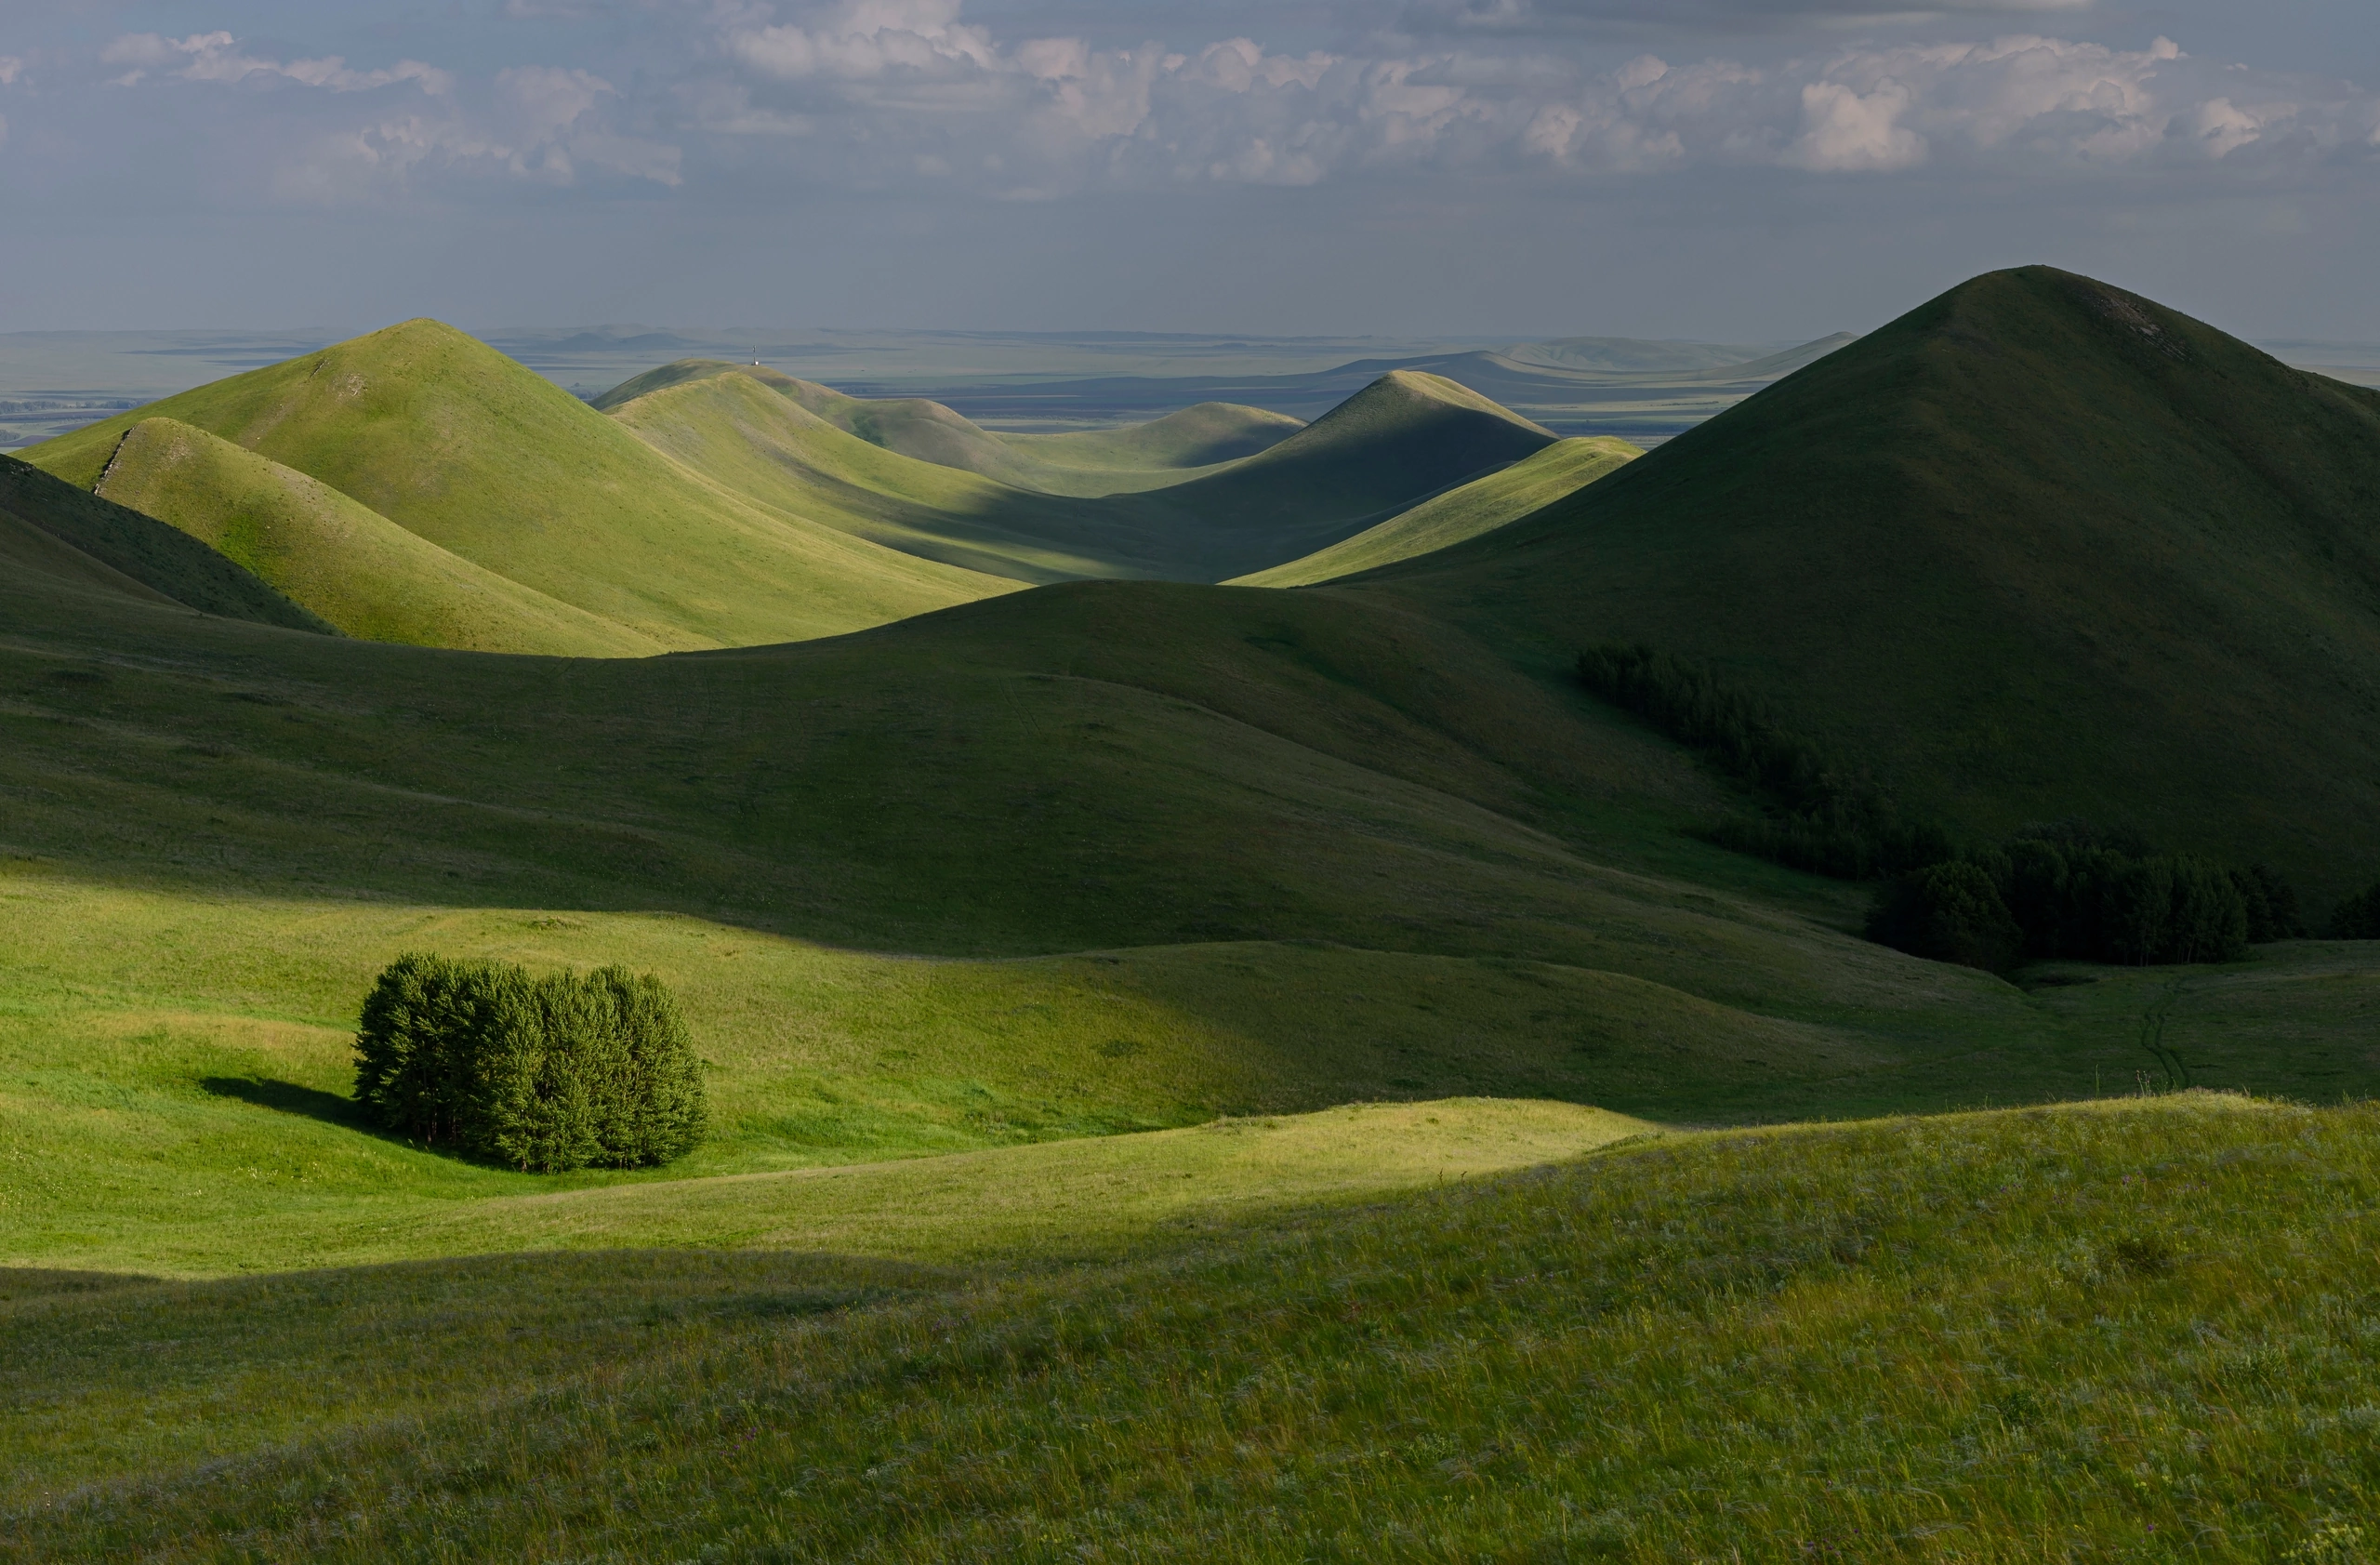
{"points": [[1477, 507], [1149, 456], [348, 564], [489, 462], [2037, 547], [61, 534]]}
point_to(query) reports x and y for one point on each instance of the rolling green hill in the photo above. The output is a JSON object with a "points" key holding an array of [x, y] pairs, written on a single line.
{"points": [[749, 437], [1393, 444], [1477, 507], [1090, 463], [464, 448], [2037, 547], [348, 564]]}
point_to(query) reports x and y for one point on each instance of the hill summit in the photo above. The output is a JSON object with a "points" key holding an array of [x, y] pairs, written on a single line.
{"points": [[2040, 547]]}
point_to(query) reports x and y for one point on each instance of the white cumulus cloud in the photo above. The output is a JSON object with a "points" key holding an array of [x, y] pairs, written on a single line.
{"points": [[1844, 130]]}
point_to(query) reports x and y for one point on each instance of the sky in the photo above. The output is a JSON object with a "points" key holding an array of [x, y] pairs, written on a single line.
{"points": [[1743, 170]]}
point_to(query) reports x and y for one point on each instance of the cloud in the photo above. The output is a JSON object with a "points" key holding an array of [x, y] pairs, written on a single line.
{"points": [[864, 39], [872, 93], [1841, 129], [214, 57], [10, 67], [541, 124], [888, 94]]}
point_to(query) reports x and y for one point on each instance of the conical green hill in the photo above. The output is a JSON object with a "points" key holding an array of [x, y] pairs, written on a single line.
{"points": [[1401, 438], [344, 562], [2037, 547], [458, 444], [1448, 519]]}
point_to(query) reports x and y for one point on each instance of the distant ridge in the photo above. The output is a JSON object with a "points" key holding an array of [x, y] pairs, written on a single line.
{"points": [[2040, 547], [1087, 464], [1399, 441]]}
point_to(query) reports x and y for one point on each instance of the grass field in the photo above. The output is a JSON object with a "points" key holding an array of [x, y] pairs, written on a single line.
{"points": [[1195, 1072], [2121, 1331]]}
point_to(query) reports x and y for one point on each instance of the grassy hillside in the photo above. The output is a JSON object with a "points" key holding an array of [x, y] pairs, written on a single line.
{"points": [[2094, 1332], [488, 461], [348, 564], [1086, 859], [52, 529], [2037, 547], [1477, 507], [1090, 463]]}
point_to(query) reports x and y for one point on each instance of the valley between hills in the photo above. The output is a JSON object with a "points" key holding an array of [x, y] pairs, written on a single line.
{"points": [[1224, 1037]]}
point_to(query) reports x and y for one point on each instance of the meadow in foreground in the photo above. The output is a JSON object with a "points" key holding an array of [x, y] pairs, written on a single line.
{"points": [[2128, 1331]]}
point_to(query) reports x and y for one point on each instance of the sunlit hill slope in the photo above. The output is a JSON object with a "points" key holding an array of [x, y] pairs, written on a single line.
{"points": [[479, 456]]}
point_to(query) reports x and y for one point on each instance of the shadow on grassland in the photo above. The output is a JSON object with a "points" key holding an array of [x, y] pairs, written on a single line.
{"points": [[290, 1098]]}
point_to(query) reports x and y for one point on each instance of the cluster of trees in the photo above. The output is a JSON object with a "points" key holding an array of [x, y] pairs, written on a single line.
{"points": [[2072, 890], [2359, 916], [559, 1072], [1822, 818]]}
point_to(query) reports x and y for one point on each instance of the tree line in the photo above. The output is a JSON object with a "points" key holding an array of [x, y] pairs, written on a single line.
{"points": [[1821, 818], [2068, 889], [2060, 889]]}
